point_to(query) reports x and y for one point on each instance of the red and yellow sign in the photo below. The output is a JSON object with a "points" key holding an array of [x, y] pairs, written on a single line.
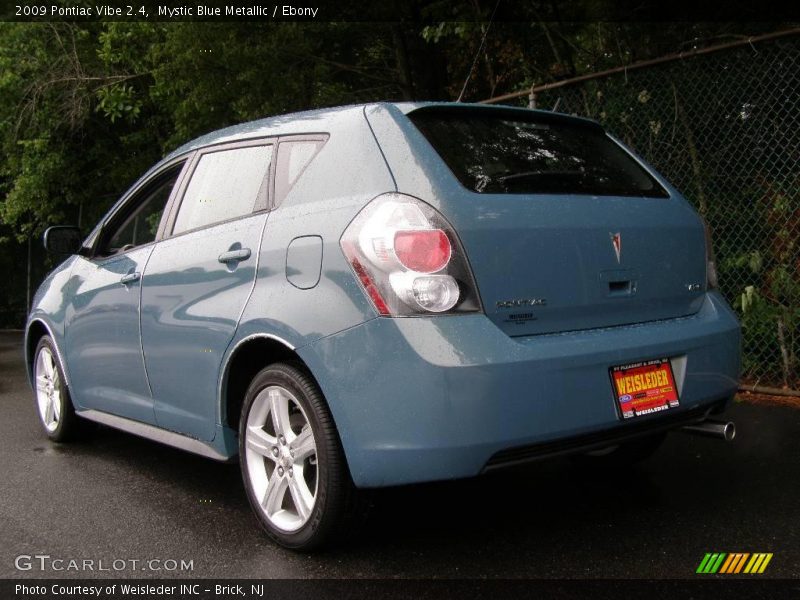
{"points": [[644, 388]]}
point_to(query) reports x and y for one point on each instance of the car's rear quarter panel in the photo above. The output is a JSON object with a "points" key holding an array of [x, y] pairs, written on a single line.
{"points": [[346, 174]]}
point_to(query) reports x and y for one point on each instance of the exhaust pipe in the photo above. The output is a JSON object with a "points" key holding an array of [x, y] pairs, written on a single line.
{"points": [[722, 430]]}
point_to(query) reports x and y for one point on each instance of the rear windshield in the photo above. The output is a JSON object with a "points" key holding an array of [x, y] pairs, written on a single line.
{"points": [[513, 154]]}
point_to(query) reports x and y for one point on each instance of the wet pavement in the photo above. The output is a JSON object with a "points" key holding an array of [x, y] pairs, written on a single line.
{"points": [[121, 498]]}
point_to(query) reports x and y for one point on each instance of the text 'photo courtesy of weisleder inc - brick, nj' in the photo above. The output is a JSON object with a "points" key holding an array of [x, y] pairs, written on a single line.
{"points": [[149, 590]]}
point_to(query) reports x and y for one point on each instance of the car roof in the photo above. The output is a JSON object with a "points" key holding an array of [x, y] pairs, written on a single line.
{"points": [[308, 121]]}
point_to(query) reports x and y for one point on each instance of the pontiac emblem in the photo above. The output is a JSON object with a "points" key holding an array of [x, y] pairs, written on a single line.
{"points": [[616, 241]]}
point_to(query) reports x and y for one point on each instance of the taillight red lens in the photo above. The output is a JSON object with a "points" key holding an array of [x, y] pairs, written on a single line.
{"points": [[423, 251]]}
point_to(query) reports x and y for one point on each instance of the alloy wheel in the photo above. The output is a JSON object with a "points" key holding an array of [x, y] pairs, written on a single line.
{"points": [[48, 389], [281, 458]]}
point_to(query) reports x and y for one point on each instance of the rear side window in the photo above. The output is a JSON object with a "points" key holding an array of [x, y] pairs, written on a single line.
{"points": [[516, 154], [225, 184], [293, 158]]}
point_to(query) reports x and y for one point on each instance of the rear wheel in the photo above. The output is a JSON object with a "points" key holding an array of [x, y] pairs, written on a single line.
{"points": [[56, 412], [292, 462]]}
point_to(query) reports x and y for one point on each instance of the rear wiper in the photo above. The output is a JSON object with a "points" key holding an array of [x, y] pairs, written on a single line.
{"points": [[535, 174]]}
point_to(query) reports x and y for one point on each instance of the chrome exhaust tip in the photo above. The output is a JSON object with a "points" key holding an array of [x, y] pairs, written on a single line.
{"points": [[722, 430]]}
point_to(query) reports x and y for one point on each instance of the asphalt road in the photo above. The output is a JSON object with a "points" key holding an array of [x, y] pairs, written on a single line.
{"points": [[119, 497]]}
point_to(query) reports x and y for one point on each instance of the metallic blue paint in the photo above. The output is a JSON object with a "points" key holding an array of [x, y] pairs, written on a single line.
{"points": [[417, 398]]}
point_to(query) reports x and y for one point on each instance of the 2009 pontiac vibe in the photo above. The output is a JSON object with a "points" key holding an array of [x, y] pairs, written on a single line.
{"points": [[385, 294]]}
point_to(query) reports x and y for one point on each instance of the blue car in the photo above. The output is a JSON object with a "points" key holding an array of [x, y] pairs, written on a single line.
{"points": [[387, 294]]}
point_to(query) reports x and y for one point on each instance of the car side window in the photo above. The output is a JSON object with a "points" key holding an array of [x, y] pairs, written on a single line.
{"points": [[138, 225], [293, 158], [225, 184]]}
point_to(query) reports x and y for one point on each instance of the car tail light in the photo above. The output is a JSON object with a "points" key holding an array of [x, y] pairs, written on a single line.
{"points": [[711, 263], [408, 259]]}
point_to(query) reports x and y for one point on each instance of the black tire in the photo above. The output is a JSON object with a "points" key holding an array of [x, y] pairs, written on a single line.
{"points": [[338, 507], [625, 454], [65, 426]]}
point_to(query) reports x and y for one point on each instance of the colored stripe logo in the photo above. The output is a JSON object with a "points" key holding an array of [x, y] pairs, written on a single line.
{"points": [[734, 562]]}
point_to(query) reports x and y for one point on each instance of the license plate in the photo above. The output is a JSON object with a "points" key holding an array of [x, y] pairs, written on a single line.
{"points": [[644, 388]]}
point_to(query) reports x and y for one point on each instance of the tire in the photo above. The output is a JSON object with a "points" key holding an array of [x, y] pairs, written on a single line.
{"points": [[293, 466], [623, 455], [56, 413]]}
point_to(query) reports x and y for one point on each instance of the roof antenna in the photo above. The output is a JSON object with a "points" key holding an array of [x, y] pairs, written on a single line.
{"points": [[478, 53]]}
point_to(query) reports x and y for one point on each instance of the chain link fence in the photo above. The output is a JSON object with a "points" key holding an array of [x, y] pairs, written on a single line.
{"points": [[724, 128]]}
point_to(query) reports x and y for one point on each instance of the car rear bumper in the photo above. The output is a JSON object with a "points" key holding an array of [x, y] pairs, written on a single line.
{"points": [[421, 399]]}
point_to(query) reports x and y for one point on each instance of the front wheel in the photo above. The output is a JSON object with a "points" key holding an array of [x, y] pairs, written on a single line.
{"points": [[292, 461], [56, 412]]}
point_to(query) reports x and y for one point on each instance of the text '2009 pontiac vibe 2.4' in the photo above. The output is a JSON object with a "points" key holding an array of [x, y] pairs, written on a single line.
{"points": [[385, 294]]}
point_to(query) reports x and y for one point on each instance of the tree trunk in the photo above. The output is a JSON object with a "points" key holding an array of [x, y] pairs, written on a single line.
{"points": [[402, 61]]}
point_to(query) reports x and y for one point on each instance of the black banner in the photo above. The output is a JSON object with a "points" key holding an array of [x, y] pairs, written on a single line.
{"points": [[360, 11], [343, 589]]}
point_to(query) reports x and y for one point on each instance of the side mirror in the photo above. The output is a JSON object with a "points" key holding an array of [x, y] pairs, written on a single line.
{"points": [[62, 239]]}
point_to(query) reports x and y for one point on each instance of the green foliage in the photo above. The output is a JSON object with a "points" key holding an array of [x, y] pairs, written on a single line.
{"points": [[117, 101], [39, 165]]}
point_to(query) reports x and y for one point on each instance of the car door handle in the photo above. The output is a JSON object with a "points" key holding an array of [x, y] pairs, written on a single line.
{"points": [[234, 255], [130, 278]]}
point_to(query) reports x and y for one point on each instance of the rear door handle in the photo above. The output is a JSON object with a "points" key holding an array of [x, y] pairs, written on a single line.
{"points": [[234, 255], [130, 278]]}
